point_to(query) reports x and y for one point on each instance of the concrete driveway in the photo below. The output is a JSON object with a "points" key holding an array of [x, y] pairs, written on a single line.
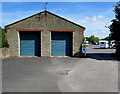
{"points": [[96, 73]]}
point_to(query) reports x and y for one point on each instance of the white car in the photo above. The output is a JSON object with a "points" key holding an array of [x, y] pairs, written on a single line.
{"points": [[86, 43], [104, 44], [112, 44]]}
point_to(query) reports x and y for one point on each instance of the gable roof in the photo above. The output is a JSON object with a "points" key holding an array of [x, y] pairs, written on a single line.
{"points": [[45, 12]]}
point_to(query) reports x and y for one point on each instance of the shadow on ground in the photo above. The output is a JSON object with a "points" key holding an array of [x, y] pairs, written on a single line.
{"points": [[103, 48], [103, 56]]}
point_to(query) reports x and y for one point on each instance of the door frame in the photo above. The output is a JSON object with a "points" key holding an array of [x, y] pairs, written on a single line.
{"points": [[27, 30], [65, 31]]}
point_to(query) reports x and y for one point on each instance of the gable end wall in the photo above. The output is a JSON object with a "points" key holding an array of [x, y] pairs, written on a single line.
{"points": [[44, 22]]}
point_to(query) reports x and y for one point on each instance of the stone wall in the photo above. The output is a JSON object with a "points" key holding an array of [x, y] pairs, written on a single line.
{"points": [[4, 52], [46, 22]]}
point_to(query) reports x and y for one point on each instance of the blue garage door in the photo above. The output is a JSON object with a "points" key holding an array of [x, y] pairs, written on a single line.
{"points": [[61, 44], [30, 43]]}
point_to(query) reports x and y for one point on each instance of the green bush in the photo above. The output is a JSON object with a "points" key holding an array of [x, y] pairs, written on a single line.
{"points": [[3, 40], [92, 39], [0, 37]]}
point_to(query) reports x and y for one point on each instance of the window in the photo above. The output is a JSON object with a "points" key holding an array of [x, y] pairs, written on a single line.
{"points": [[102, 42]]}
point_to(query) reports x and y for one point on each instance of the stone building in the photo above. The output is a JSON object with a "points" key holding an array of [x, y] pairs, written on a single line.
{"points": [[44, 34]]}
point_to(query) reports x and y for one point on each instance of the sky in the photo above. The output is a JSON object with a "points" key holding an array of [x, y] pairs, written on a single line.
{"points": [[94, 16]]}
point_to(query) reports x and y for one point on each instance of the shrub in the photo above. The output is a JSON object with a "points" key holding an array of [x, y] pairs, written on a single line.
{"points": [[3, 40]]}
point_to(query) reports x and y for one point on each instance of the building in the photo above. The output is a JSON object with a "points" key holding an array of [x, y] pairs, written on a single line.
{"points": [[44, 34]]}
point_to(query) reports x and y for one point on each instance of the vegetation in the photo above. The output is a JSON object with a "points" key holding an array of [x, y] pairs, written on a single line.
{"points": [[92, 39], [3, 40], [106, 38], [115, 27]]}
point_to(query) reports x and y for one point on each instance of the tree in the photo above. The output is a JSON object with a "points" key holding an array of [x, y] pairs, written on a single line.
{"points": [[3, 40], [106, 38], [96, 39], [115, 30], [92, 39], [115, 27]]}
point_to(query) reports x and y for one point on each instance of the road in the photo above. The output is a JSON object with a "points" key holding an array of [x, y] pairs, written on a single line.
{"points": [[96, 73]]}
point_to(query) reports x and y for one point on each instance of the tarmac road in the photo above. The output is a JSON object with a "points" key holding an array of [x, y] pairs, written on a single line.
{"points": [[96, 73]]}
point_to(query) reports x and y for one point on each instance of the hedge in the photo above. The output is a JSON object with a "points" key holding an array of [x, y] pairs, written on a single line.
{"points": [[3, 40]]}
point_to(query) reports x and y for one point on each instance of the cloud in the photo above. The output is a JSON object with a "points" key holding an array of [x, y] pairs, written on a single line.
{"points": [[100, 16], [90, 19], [95, 22], [7, 17], [94, 32], [95, 25], [103, 31]]}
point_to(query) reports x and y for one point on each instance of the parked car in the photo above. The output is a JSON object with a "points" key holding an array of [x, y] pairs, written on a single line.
{"points": [[86, 43], [112, 44], [104, 44], [95, 43]]}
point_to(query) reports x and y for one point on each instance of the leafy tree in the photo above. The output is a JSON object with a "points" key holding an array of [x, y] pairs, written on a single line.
{"points": [[96, 39], [0, 37], [115, 30], [87, 38], [106, 38], [3, 41], [92, 39], [115, 27]]}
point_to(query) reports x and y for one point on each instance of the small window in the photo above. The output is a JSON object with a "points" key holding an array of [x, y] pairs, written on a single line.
{"points": [[102, 42]]}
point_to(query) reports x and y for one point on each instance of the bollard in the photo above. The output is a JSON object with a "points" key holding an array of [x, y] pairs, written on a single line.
{"points": [[84, 49]]}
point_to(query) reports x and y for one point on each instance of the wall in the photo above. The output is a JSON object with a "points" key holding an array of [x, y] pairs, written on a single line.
{"points": [[4, 52], [46, 22]]}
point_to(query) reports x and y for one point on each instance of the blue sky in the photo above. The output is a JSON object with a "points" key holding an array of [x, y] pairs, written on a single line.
{"points": [[94, 16]]}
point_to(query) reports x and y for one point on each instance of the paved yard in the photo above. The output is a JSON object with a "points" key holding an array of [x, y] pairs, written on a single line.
{"points": [[96, 73]]}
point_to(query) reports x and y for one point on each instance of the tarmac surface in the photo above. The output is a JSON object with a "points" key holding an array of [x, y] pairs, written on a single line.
{"points": [[96, 73]]}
